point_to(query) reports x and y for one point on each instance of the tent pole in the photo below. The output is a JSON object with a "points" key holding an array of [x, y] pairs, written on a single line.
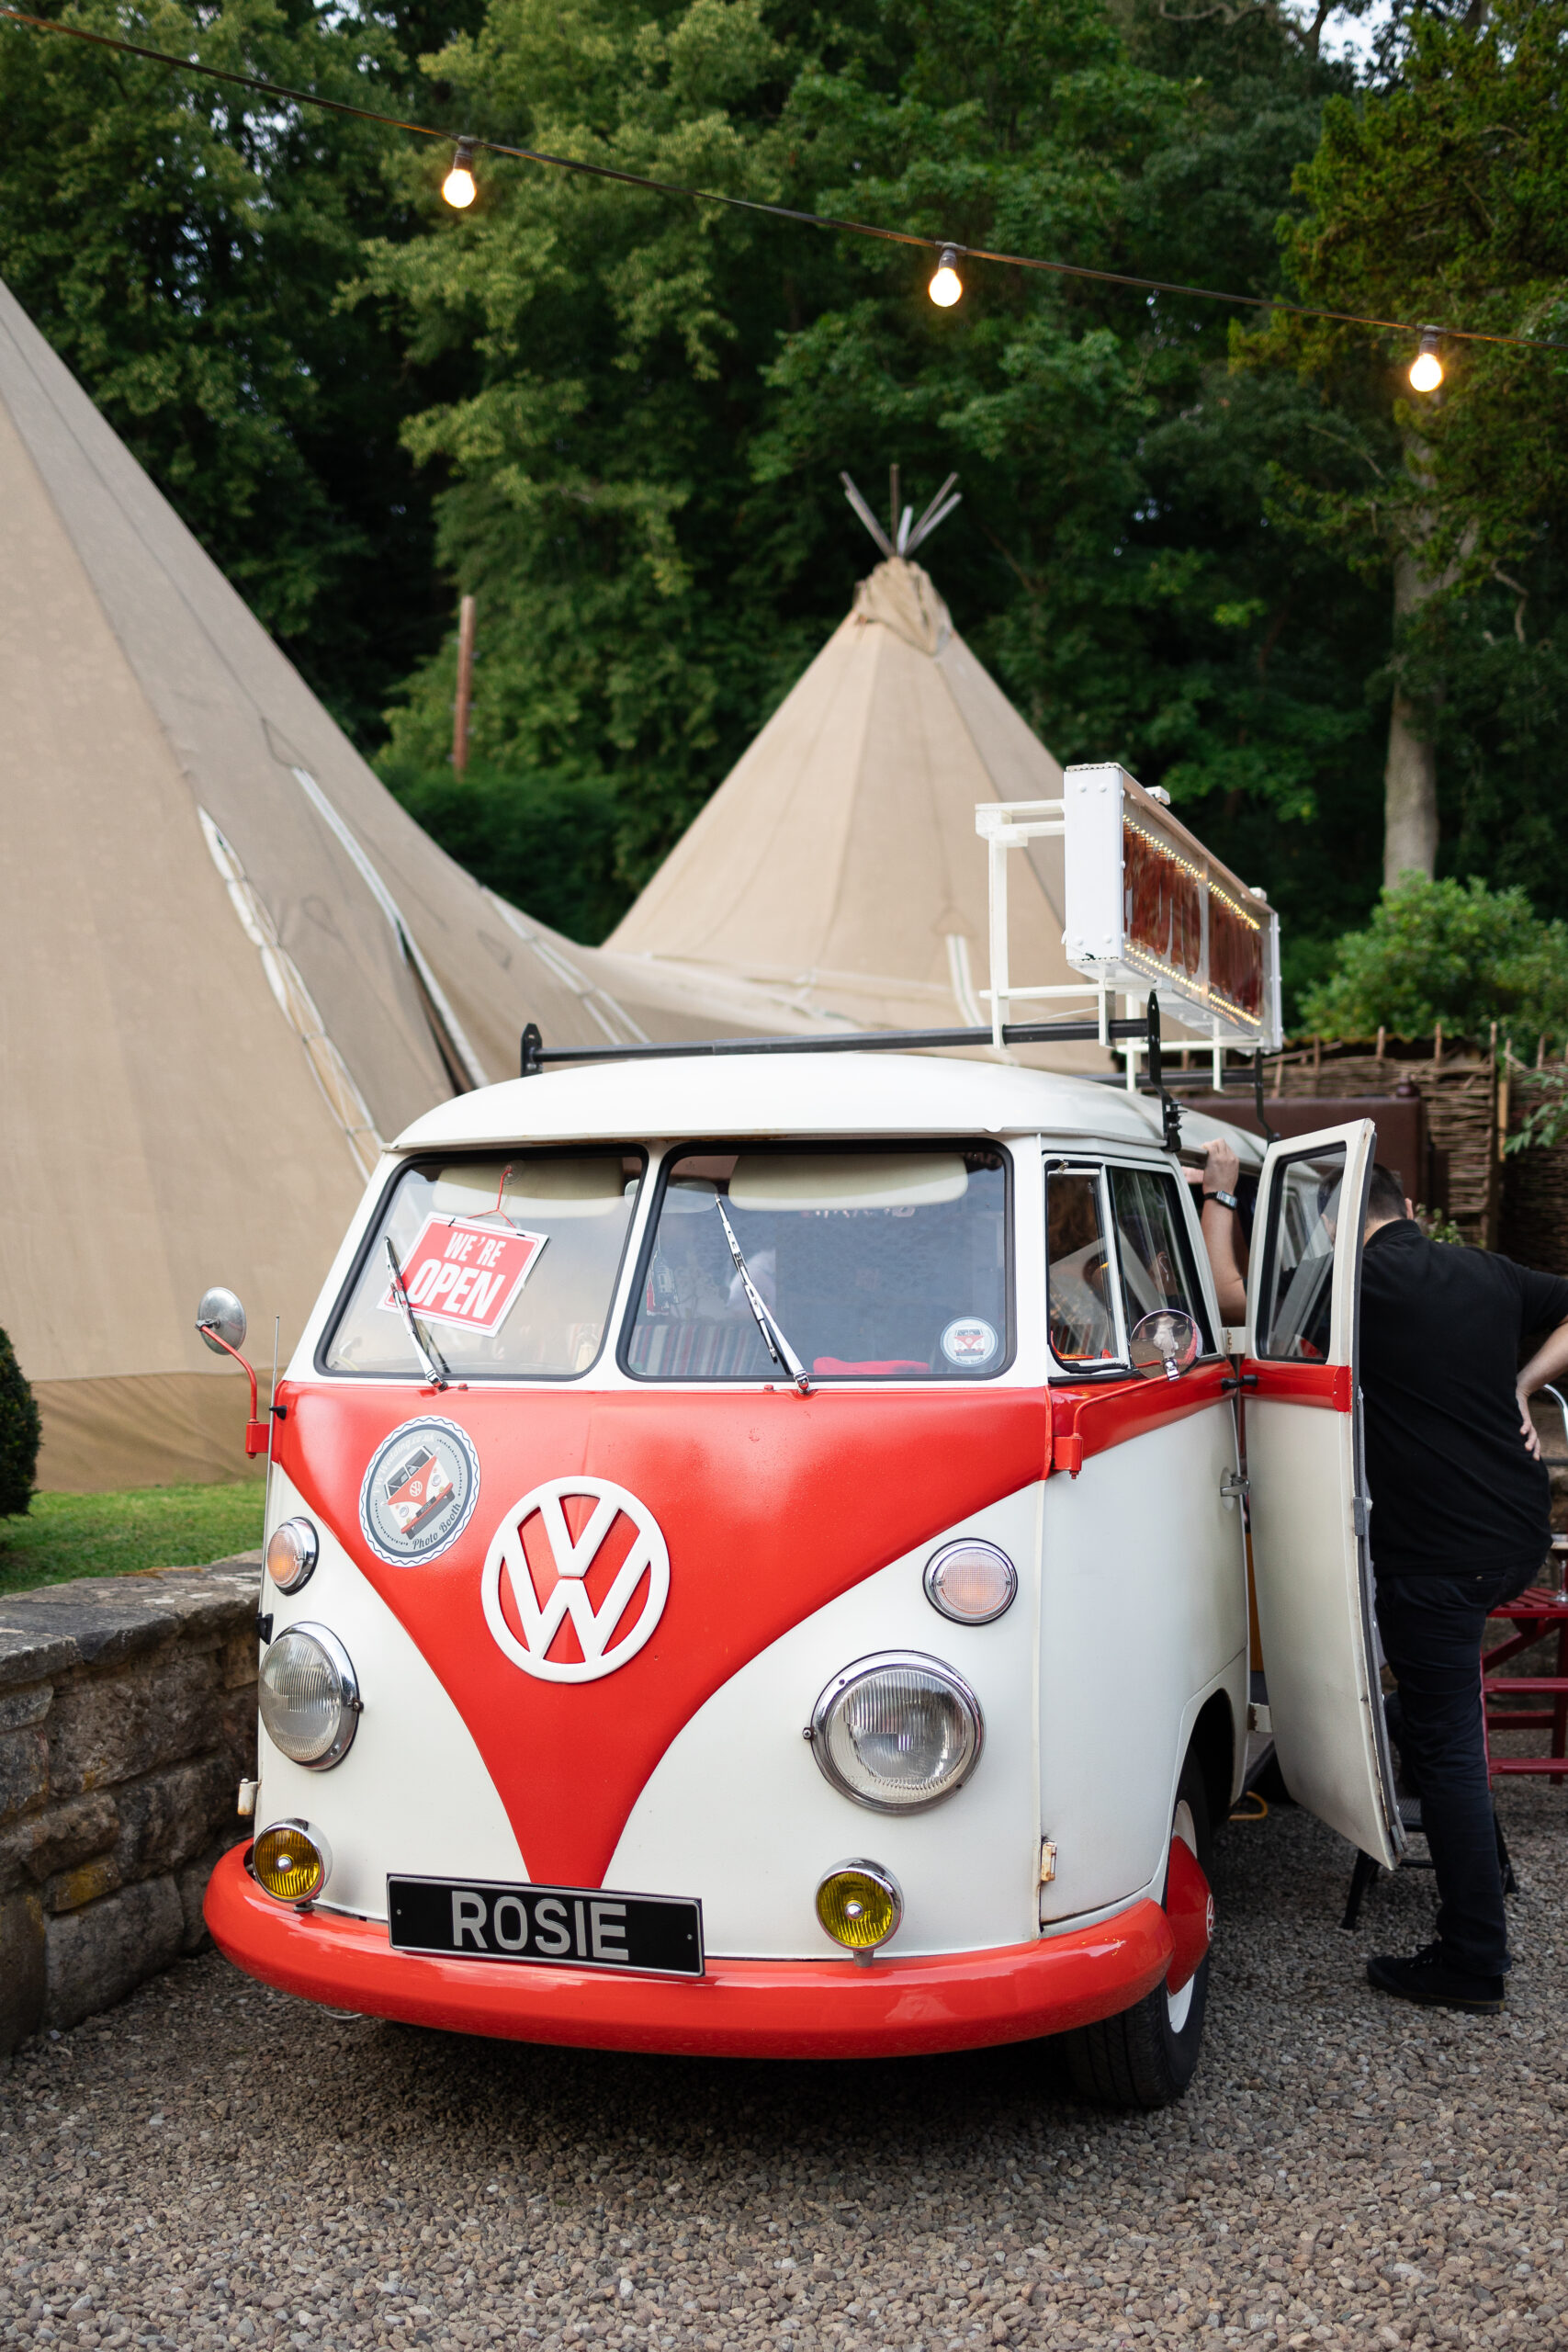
{"points": [[465, 686]]}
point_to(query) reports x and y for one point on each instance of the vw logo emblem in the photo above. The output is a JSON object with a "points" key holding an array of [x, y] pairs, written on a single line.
{"points": [[537, 1579]]}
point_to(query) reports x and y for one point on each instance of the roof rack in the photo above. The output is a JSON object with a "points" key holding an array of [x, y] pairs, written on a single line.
{"points": [[537, 1056]]}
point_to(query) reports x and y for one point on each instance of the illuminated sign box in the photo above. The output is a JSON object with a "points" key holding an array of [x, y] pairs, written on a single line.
{"points": [[1148, 907]]}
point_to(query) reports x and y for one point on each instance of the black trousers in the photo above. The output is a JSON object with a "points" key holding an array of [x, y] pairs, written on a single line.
{"points": [[1432, 1628]]}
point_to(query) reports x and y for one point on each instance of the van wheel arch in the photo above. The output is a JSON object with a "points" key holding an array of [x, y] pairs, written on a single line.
{"points": [[1214, 1746], [1146, 2056]]}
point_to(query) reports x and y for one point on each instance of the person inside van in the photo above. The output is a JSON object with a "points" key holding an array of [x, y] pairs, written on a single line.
{"points": [[1461, 1524]]}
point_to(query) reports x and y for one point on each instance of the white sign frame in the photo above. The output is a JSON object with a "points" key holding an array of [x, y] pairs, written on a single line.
{"points": [[1098, 801]]}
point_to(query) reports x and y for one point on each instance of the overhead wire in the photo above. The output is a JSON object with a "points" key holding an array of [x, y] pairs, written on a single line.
{"points": [[682, 189]]}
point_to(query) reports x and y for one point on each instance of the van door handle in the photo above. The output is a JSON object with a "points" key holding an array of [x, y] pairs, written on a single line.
{"points": [[1233, 1486]]}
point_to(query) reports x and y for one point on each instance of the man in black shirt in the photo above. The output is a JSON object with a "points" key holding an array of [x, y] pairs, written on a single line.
{"points": [[1461, 1521]]}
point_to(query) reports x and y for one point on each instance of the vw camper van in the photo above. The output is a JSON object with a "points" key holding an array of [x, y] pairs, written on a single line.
{"points": [[756, 1563], [758, 1553]]}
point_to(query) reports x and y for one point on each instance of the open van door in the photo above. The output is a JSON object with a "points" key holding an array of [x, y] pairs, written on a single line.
{"points": [[1312, 1566]]}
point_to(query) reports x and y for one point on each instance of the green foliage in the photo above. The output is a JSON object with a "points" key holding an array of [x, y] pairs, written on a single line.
{"points": [[1446, 952], [18, 1434], [181, 245], [1545, 1124], [544, 843], [645, 494], [1443, 197], [151, 1527], [1437, 1227], [619, 420]]}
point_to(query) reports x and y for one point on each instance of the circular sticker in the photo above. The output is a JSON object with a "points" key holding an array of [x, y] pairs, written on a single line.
{"points": [[419, 1492], [970, 1342]]}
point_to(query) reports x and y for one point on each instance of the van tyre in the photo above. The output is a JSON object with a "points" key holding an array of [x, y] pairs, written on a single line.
{"points": [[1147, 2055]]}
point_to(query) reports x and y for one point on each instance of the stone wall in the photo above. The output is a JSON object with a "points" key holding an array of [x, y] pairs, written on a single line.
{"points": [[127, 1723]]}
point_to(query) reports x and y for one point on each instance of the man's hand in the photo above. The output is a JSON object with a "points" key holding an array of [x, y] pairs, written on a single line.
{"points": [[1220, 1167], [1547, 1364]]}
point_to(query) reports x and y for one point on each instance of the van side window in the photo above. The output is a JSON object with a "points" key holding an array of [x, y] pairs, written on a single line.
{"points": [[1081, 1314], [1156, 1268], [1297, 1285]]}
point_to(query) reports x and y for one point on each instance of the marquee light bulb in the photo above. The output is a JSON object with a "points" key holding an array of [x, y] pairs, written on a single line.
{"points": [[1427, 367], [458, 187], [946, 285]]}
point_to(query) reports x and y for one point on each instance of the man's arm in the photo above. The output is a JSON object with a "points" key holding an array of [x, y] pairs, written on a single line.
{"points": [[1549, 1363], [1220, 1170]]}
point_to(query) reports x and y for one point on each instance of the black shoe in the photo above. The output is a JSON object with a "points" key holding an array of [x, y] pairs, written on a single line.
{"points": [[1427, 1978]]}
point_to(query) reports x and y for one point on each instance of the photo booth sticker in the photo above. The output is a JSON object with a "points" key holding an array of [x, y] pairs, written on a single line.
{"points": [[970, 1342], [466, 1272], [419, 1491]]}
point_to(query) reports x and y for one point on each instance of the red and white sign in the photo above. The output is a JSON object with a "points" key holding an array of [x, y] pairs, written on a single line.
{"points": [[466, 1272]]}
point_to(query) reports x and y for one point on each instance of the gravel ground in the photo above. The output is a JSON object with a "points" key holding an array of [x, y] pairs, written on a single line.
{"points": [[213, 2164]]}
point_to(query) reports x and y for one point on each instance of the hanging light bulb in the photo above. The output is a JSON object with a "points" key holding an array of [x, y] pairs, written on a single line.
{"points": [[458, 187], [1427, 367], [946, 285]]}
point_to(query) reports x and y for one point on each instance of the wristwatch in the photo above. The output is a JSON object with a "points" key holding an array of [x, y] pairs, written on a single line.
{"points": [[1225, 1200]]}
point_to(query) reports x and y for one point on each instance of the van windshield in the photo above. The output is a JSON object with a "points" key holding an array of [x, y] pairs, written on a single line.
{"points": [[888, 1265], [509, 1266]]}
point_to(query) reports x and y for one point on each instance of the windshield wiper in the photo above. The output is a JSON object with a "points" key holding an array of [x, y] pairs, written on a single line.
{"points": [[782, 1354], [425, 1349]]}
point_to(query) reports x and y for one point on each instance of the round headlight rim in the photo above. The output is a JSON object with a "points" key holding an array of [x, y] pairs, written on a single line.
{"points": [[314, 1553], [882, 1662], [969, 1544], [296, 1825], [351, 1706], [880, 1875]]}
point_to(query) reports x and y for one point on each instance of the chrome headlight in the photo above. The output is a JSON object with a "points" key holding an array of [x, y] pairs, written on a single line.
{"points": [[292, 1551], [898, 1732], [309, 1696]]}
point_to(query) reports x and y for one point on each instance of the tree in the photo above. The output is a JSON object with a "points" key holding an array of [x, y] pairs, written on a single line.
{"points": [[646, 495], [1450, 952], [181, 244], [1443, 197], [19, 1433]]}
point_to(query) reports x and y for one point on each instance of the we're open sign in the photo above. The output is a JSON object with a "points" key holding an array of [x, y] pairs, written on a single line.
{"points": [[466, 1273]]}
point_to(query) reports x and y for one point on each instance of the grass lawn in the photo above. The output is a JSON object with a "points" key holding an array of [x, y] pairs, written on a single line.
{"points": [[152, 1527]]}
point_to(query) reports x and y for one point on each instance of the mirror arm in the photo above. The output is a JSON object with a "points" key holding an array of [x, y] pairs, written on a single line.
{"points": [[258, 1432]]}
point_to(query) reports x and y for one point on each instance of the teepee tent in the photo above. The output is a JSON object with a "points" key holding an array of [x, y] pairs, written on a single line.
{"points": [[230, 964], [839, 860]]}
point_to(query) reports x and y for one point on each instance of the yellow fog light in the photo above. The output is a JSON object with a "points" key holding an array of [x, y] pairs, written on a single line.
{"points": [[860, 1906], [291, 1860]]}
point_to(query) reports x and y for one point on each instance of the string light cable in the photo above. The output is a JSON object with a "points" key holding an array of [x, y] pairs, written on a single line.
{"points": [[468, 146]]}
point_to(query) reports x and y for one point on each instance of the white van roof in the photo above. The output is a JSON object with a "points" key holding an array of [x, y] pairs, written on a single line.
{"points": [[792, 1094]]}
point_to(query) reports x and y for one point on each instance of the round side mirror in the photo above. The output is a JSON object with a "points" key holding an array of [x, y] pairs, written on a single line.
{"points": [[1165, 1344], [222, 1312]]}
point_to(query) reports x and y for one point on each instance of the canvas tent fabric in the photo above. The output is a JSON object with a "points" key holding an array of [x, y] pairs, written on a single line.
{"points": [[839, 860], [230, 964]]}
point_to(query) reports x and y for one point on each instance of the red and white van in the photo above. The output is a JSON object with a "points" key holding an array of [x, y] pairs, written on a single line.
{"points": [[757, 1566]]}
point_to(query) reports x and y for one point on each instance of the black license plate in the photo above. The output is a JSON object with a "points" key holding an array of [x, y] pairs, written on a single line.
{"points": [[559, 1927]]}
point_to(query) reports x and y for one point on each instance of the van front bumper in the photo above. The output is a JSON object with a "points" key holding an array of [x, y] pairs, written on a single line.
{"points": [[742, 2008]]}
